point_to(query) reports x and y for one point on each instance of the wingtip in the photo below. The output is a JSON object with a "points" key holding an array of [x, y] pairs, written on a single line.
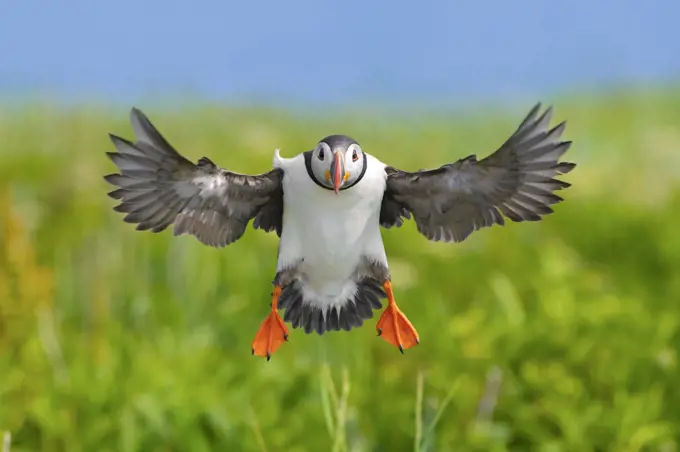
{"points": [[137, 116], [565, 167], [110, 178], [119, 141], [114, 138], [122, 207], [533, 116], [546, 117], [116, 194], [535, 109]]}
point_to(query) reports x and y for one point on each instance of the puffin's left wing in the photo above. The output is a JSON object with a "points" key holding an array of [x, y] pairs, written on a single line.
{"points": [[159, 187], [518, 181]]}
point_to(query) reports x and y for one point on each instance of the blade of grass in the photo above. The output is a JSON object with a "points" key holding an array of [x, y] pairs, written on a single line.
{"points": [[326, 400], [257, 431], [442, 407], [419, 412], [331, 388], [340, 434]]}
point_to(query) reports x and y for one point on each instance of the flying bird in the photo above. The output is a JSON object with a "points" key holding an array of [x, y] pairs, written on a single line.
{"points": [[327, 206]]}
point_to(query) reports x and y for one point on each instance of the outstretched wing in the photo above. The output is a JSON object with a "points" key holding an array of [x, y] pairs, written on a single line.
{"points": [[159, 187], [518, 181]]}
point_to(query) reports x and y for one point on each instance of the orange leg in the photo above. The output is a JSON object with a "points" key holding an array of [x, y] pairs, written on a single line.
{"points": [[393, 325], [273, 332]]}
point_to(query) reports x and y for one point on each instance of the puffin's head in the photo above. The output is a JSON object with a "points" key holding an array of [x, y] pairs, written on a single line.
{"points": [[337, 162]]}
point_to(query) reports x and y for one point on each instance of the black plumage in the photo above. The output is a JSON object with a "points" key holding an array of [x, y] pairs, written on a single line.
{"points": [[311, 318]]}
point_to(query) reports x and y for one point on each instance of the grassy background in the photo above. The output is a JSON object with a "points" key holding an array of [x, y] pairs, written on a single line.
{"points": [[556, 336]]}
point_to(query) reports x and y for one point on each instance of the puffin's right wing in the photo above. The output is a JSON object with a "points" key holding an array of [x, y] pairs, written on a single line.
{"points": [[518, 181], [159, 187]]}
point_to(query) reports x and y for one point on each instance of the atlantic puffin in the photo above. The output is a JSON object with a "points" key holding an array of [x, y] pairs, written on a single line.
{"points": [[327, 205]]}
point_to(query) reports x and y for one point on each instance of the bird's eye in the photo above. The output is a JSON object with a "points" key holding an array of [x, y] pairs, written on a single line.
{"points": [[355, 156], [321, 154]]}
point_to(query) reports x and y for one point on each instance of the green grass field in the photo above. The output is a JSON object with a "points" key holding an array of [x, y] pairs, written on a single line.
{"points": [[561, 335]]}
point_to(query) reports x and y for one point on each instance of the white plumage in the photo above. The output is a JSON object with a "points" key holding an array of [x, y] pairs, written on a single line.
{"points": [[328, 235]]}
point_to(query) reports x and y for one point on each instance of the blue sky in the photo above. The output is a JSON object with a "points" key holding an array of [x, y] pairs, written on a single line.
{"points": [[334, 51]]}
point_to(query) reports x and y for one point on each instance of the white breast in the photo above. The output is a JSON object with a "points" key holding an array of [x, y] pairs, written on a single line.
{"points": [[329, 234]]}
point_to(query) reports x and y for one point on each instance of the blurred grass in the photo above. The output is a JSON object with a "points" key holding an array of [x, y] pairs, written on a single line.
{"points": [[556, 336]]}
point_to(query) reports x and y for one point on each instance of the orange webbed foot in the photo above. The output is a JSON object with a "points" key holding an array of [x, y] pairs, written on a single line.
{"points": [[393, 325], [272, 333]]}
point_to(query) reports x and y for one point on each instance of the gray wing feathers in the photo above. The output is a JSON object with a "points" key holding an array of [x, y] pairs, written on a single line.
{"points": [[517, 181], [158, 187]]}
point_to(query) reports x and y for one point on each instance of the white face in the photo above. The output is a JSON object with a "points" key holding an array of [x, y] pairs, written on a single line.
{"points": [[339, 166]]}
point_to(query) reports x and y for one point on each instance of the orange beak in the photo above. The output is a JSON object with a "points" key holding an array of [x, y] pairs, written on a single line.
{"points": [[338, 171]]}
